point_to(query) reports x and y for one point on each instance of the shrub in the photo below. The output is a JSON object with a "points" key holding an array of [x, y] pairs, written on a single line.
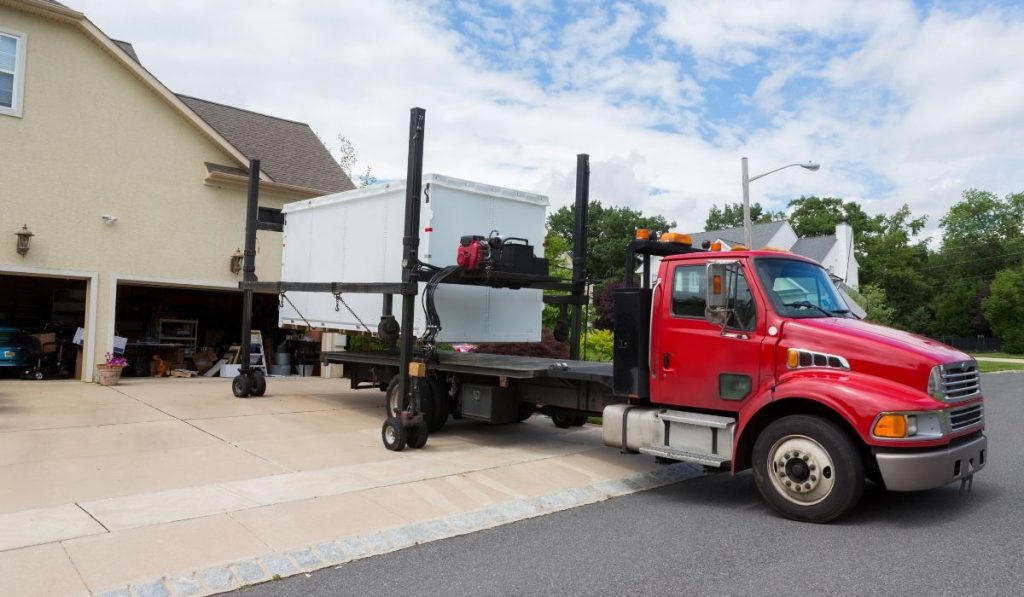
{"points": [[599, 346], [1004, 306]]}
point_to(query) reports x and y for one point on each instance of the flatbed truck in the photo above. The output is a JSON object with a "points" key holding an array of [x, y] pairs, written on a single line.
{"points": [[729, 359]]}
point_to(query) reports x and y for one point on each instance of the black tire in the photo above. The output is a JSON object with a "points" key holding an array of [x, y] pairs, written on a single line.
{"points": [[241, 386], [579, 420], [562, 421], [38, 375], [427, 403], [808, 469], [259, 384], [441, 404], [417, 436], [525, 411], [394, 435]]}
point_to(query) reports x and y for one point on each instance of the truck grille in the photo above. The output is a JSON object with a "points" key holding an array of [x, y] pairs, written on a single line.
{"points": [[969, 416], [960, 380]]}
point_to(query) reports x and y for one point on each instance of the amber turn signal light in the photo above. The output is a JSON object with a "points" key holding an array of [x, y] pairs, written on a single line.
{"points": [[675, 237], [891, 426]]}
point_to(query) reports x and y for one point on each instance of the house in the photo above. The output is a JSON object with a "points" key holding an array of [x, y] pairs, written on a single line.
{"points": [[134, 196], [834, 252]]}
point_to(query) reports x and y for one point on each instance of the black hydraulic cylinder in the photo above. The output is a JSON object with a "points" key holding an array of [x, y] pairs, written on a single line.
{"points": [[410, 248], [579, 252], [249, 262]]}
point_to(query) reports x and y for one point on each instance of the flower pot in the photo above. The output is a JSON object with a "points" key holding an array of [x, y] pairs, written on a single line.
{"points": [[107, 375]]}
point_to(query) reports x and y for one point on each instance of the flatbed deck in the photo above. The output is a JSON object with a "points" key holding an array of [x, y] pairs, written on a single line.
{"points": [[473, 363]]}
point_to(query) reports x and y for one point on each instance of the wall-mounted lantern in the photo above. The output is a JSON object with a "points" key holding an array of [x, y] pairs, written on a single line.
{"points": [[23, 237], [236, 261]]}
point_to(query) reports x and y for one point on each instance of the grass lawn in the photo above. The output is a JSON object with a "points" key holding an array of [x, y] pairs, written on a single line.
{"points": [[989, 366], [997, 355]]}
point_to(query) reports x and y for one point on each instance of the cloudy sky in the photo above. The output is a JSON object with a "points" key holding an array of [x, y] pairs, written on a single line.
{"points": [[901, 102]]}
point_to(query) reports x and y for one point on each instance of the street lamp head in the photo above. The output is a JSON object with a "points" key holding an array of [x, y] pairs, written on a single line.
{"points": [[812, 166]]}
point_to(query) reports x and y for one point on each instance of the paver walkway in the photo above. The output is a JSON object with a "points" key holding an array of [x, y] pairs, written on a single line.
{"points": [[176, 487]]}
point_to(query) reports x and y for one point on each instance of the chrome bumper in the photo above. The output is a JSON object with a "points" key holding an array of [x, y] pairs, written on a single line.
{"points": [[916, 471]]}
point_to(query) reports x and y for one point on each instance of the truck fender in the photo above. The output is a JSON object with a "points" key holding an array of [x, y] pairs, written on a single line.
{"points": [[849, 399]]}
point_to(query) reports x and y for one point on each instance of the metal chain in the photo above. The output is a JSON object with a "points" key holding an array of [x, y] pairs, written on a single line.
{"points": [[338, 299], [299, 313]]}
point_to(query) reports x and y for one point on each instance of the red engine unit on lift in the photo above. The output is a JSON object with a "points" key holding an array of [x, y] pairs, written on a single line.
{"points": [[511, 254], [472, 252]]}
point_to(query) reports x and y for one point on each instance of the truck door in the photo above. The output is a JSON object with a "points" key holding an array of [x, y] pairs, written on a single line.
{"points": [[697, 363]]}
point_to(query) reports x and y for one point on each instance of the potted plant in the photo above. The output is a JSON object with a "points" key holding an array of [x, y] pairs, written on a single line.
{"points": [[110, 371]]}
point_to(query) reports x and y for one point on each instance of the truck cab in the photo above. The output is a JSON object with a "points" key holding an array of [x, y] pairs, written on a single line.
{"points": [[752, 359]]}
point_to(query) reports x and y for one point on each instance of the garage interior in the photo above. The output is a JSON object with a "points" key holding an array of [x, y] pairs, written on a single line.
{"points": [[38, 320], [180, 329]]}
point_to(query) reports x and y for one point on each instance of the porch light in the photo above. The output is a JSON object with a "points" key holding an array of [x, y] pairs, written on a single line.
{"points": [[236, 261], [23, 238]]}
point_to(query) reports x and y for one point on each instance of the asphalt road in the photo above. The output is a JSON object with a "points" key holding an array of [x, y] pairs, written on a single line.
{"points": [[714, 536]]}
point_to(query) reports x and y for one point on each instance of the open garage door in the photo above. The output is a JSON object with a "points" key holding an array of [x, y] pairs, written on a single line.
{"points": [[175, 327], [39, 316]]}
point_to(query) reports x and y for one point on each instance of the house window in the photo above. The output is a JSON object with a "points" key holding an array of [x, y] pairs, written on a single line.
{"points": [[12, 71]]}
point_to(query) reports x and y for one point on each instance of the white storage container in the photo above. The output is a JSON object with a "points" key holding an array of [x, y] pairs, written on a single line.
{"points": [[356, 236]]}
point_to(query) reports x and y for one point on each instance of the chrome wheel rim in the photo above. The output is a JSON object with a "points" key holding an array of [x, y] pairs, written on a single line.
{"points": [[389, 434], [801, 470]]}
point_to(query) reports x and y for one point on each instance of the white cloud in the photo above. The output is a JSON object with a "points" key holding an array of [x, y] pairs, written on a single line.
{"points": [[928, 103]]}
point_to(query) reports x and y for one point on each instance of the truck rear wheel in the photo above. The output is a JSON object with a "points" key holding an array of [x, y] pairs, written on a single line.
{"points": [[442, 403], [562, 421], [808, 469]]}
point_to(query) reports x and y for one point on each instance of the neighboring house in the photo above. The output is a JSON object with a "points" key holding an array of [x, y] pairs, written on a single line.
{"points": [[834, 252], [135, 195]]}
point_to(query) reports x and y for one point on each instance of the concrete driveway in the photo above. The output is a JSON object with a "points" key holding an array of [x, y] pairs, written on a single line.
{"points": [[158, 487]]}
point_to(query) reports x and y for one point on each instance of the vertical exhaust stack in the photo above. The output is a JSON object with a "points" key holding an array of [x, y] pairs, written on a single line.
{"points": [[579, 253]]}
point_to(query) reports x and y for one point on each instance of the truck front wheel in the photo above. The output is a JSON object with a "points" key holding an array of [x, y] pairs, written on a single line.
{"points": [[807, 468]]}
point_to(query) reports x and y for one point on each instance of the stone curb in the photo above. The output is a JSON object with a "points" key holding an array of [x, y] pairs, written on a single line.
{"points": [[274, 566]]}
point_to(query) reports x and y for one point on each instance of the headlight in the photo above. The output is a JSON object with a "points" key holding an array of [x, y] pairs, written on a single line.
{"points": [[919, 425], [936, 389]]}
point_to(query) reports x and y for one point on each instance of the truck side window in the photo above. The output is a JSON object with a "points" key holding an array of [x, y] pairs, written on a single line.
{"points": [[743, 305], [688, 282]]}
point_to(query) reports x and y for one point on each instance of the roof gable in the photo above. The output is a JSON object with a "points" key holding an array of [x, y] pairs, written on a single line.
{"points": [[289, 152], [760, 234], [816, 247]]}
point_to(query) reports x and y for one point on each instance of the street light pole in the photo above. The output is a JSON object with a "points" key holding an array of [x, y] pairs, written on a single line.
{"points": [[746, 205], [747, 179]]}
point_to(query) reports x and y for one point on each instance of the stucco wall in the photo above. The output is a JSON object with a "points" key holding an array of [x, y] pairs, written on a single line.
{"points": [[95, 140]]}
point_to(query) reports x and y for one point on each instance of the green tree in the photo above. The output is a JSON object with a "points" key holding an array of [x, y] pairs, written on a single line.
{"points": [[872, 299], [818, 216], [731, 216], [609, 230], [1004, 306], [954, 310], [893, 258], [981, 235]]}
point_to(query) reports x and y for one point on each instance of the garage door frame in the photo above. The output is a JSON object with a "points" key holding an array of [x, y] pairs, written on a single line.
{"points": [[92, 296]]}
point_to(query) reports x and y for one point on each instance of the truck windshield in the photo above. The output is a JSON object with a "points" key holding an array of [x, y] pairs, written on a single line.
{"points": [[800, 289]]}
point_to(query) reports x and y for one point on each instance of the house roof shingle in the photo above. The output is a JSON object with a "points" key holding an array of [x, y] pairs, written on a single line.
{"points": [[760, 234], [127, 48], [815, 247], [289, 152]]}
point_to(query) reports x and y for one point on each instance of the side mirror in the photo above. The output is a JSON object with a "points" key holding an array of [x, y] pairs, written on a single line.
{"points": [[717, 300]]}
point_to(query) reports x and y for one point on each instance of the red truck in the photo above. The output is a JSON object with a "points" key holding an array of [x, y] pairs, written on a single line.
{"points": [[733, 360], [755, 362]]}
